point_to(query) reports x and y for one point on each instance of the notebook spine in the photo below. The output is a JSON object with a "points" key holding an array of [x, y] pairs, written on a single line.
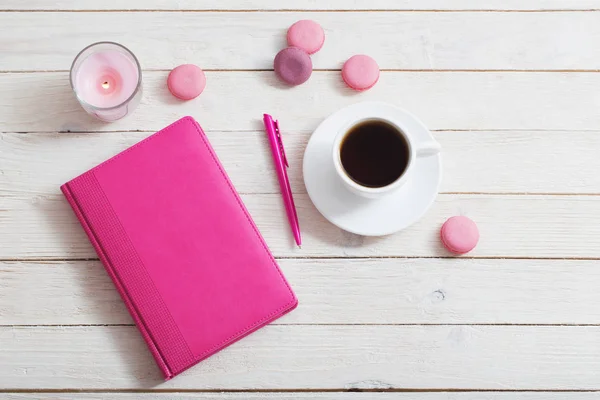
{"points": [[66, 190]]}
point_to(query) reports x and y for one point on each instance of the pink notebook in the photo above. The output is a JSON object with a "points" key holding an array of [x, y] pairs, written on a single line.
{"points": [[179, 245]]}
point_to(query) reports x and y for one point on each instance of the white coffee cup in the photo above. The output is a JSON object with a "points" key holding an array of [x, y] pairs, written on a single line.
{"points": [[415, 150]]}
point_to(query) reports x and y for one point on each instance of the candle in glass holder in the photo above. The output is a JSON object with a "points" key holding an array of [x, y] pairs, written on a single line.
{"points": [[107, 80]]}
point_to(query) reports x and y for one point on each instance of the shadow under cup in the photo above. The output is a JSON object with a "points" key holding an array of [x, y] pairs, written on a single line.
{"points": [[374, 153]]}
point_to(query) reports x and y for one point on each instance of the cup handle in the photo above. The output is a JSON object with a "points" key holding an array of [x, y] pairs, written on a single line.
{"points": [[428, 149]]}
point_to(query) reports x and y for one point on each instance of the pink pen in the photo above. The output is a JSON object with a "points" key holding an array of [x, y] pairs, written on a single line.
{"points": [[281, 166]]}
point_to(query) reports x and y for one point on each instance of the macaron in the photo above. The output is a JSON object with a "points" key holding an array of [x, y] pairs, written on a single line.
{"points": [[293, 65], [360, 72], [306, 35], [186, 81], [459, 234]]}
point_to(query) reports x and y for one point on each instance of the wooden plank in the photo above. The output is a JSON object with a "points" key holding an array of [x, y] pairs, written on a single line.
{"points": [[295, 5], [313, 357], [474, 162], [428, 41], [339, 291], [510, 226], [236, 101], [311, 395]]}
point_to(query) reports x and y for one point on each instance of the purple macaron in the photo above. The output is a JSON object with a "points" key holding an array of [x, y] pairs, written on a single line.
{"points": [[293, 65]]}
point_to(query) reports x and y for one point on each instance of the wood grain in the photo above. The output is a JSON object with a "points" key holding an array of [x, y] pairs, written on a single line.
{"points": [[423, 41], [336, 291], [235, 101], [313, 357], [294, 5], [511, 226], [477, 161]]}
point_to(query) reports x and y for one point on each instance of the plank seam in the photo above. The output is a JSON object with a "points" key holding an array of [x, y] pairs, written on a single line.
{"points": [[63, 259], [290, 10], [407, 70], [34, 326], [334, 390], [218, 131]]}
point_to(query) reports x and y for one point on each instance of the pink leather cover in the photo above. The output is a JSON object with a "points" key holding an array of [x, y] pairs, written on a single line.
{"points": [[179, 245]]}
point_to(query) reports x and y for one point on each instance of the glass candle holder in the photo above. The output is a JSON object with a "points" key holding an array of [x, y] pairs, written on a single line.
{"points": [[107, 80]]}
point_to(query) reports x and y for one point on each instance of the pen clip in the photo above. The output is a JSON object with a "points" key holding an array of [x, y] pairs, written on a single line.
{"points": [[280, 142]]}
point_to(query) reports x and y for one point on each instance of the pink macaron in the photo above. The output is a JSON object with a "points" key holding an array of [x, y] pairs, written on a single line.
{"points": [[360, 72], [306, 35], [186, 82], [293, 66], [459, 234]]}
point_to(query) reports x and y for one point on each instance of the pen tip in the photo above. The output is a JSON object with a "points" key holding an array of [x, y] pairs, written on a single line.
{"points": [[300, 247]]}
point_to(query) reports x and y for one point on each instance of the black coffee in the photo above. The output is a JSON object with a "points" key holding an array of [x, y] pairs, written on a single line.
{"points": [[374, 153]]}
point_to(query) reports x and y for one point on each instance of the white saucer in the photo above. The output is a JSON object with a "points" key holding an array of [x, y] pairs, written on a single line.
{"points": [[351, 212]]}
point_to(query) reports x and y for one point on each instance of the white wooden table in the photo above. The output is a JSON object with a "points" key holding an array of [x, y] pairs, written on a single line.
{"points": [[510, 88]]}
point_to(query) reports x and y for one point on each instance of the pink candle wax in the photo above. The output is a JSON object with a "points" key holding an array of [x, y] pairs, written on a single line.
{"points": [[106, 79]]}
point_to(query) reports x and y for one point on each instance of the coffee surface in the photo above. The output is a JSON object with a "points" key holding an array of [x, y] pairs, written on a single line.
{"points": [[374, 154]]}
